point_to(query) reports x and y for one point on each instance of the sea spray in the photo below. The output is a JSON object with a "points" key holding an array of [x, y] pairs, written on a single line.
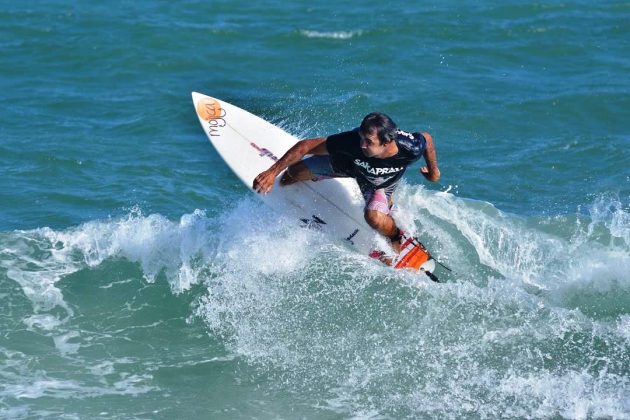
{"points": [[381, 344]]}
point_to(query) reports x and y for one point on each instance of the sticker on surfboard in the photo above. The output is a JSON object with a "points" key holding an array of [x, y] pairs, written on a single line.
{"points": [[209, 109]]}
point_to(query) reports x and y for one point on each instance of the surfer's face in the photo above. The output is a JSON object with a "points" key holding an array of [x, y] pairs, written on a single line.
{"points": [[371, 145]]}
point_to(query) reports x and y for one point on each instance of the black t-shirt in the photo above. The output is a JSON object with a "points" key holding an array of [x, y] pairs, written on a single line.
{"points": [[346, 157]]}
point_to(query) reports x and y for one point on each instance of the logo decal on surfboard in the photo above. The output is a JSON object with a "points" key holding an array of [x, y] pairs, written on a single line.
{"points": [[263, 151], [210, 110], [315, 222], [352, 235]]}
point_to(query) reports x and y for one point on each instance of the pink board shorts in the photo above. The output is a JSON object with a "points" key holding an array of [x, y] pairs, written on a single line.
{"points": [[378, 199]]}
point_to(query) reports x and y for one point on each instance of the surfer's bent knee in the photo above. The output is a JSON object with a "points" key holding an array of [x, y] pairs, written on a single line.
{"points": [[375, 218]]}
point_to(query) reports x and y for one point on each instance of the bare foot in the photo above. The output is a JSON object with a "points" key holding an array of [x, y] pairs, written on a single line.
{"points": [[380, 255]]}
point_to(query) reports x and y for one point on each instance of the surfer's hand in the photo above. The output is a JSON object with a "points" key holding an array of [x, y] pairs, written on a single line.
{"points": [[432, 176], [264, 181]]}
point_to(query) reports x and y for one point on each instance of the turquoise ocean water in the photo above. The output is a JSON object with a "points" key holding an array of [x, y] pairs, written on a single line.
{"points": [[140, 279]]}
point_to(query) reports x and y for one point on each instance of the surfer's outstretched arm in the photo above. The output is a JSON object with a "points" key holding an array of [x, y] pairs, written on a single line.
{"points": [[431, 171], [316, 146]]}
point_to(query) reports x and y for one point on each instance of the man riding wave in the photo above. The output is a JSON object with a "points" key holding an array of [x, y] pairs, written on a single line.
{"points": [[376, 154]]}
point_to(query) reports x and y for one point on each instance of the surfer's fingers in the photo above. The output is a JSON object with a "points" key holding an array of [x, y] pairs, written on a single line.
{"points": [[258, 186], [262, 184], [259, 182]]}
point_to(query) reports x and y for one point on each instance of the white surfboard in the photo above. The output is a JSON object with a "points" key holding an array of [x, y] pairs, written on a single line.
{"points": [[249, 145]]}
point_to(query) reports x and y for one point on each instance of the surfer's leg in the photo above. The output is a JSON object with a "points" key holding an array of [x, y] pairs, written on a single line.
{"points": [[377, 214], [385, 225], [314, 168], [294, 173]]}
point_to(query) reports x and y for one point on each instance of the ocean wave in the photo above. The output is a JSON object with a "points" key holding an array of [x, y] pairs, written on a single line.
{"points": [[505, 330]]}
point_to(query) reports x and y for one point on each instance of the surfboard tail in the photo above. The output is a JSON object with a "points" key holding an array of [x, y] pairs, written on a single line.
{"points": [[414, 255]]}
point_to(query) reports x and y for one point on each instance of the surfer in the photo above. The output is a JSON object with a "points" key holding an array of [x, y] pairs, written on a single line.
{"points": [[376, 154]]}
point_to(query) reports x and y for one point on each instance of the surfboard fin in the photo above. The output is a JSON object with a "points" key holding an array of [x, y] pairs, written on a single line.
{"points": [[431, 276]]}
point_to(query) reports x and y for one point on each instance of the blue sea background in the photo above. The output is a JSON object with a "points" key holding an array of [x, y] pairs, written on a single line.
{"points": [[140, 279]]}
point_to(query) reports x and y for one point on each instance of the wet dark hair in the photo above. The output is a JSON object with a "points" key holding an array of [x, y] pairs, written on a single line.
{"points": [[380, 123]]}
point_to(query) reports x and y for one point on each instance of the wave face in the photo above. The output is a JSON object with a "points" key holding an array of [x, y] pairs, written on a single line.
{"points": [[533, 320]]}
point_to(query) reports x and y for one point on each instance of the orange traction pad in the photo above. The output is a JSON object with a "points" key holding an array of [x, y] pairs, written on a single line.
{"points": [[412, 254]]}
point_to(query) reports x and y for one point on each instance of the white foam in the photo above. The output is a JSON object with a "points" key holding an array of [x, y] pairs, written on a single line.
{"points": [[133, 385], [24, 379], [577, 395], [331, 35], [623, 328], [64, 345], [47, 387], [36, 274], [607, 210], [39, 388], [103, 368], [46, 322]]}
